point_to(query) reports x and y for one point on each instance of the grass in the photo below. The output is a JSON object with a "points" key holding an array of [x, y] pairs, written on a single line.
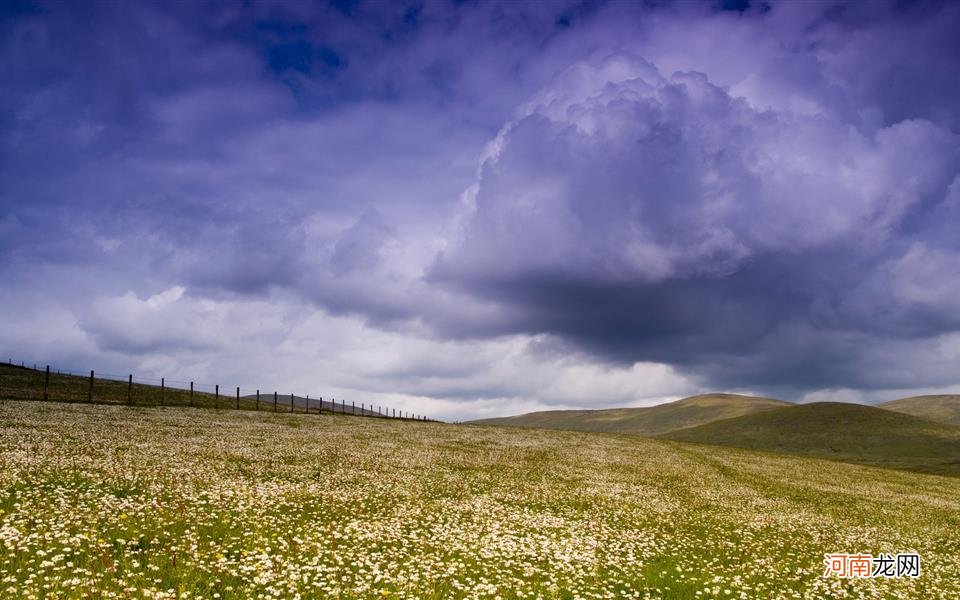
{"points": [[840, 431], [22, 383], [943, 408], [107, 501], [651, 420]]}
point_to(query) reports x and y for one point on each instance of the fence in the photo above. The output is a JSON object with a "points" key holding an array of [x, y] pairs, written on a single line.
{"points": [[25, 382]]}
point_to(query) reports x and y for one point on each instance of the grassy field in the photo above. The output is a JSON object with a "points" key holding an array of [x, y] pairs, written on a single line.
{"points": [[648, 420], [840, 431], [104, 501], [943, 408]]}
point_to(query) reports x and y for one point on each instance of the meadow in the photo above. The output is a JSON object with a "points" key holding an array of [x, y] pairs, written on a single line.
{"points": [[101, 501]]}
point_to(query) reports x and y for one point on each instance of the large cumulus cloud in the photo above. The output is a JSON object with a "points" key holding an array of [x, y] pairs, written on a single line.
{"points": [[654, 217]]}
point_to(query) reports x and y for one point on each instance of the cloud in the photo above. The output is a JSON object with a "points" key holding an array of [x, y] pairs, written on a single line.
{"points": [[659, 218], [358, 248], [130, 325], [633, 176], [483, 208]]}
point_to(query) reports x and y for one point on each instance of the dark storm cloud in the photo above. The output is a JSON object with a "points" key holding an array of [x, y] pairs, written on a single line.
{"points": [[758, 193]]}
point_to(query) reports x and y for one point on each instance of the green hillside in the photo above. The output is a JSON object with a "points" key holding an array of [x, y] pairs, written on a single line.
{"points": [[651, 420], [839, 431], [943, 408]]}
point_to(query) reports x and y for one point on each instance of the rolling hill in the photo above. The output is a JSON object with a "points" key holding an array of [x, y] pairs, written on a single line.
{"points": [[839, 431], [941, 408], [652, 420]]}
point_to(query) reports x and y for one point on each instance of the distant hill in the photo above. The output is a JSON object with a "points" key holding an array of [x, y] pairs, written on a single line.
{"points": [[943, 408], [651, 420], [839, 431]]}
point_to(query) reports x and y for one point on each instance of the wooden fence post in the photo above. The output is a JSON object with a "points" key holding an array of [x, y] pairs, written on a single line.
{"points": [[163, 389], [361, 409], [321, 405], [353, 407], [46, 384], [238, 397], [191, 393], [274, 402], [258, 400], [216, 397], [291, 402], [307, 404], [90, 389], [394, 413], [130, 389]]}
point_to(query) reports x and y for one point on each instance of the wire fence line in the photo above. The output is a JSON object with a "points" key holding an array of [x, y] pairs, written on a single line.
{"points": [[35, 382]]}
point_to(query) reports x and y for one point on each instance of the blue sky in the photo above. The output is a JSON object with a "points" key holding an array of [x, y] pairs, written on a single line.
{"points": [[472, 209]]}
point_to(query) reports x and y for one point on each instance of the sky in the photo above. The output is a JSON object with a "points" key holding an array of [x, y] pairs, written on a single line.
{"points": [[474, 209]]}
